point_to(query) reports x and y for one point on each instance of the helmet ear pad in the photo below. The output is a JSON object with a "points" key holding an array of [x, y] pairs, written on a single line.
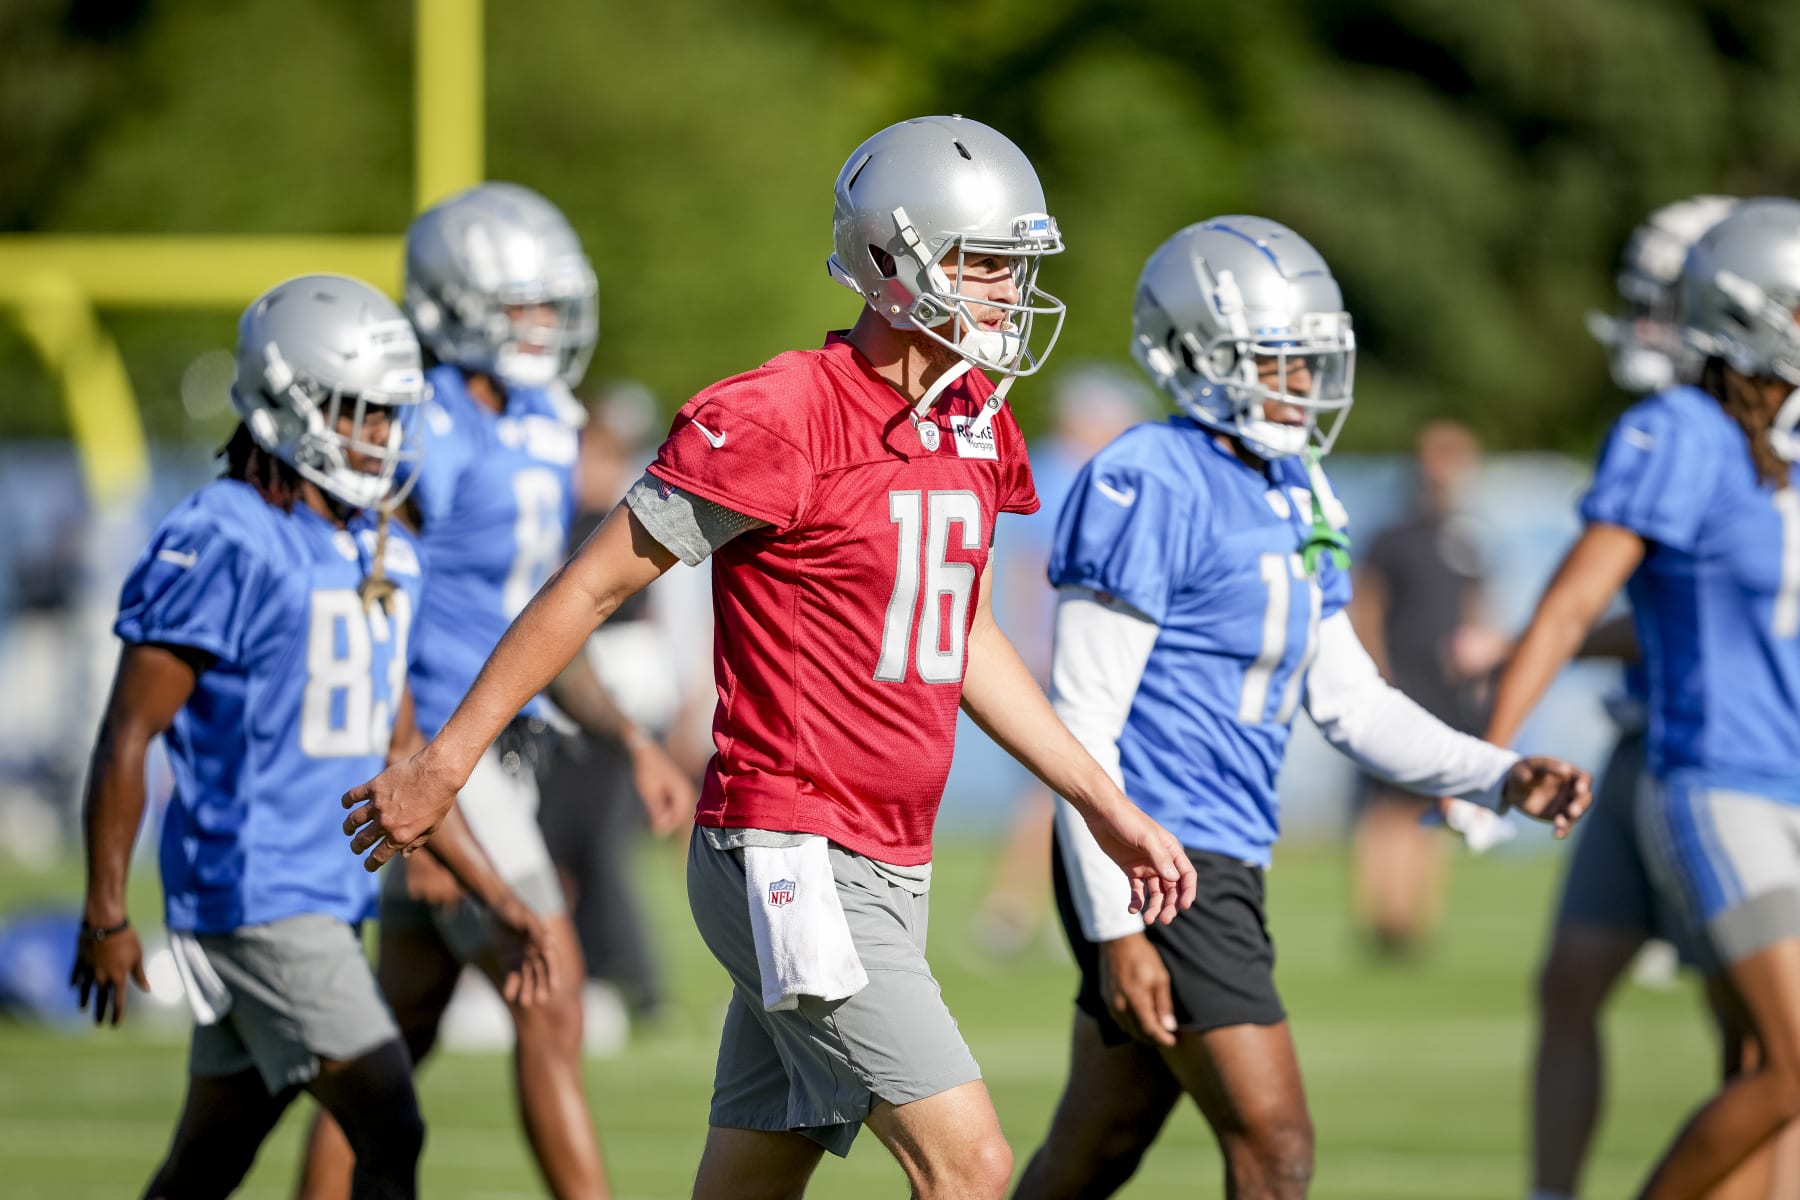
{"points": [[272, 424]]}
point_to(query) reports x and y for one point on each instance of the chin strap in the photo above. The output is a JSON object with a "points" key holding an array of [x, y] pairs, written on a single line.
{"points": [[963, 367], [1326, 538]]}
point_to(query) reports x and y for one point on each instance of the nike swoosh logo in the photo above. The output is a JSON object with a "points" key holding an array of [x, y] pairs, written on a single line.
{"points": [[1124, 499], [716, 439], [1637, 437], [181, 560]]}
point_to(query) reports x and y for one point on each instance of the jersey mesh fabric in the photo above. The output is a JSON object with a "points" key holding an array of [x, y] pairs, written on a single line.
{"points": [[837, 709]]}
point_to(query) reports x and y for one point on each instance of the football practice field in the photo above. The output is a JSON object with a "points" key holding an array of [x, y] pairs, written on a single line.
{"points": [[1416, 1072]]}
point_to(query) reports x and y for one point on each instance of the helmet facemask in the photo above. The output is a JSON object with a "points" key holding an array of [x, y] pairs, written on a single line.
{"points": [[940, 302], [321, 430], [1223, 385]]}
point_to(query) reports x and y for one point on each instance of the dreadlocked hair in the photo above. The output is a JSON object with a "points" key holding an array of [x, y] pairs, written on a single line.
{"points": [[376, 587], [1739, 398], [249, 463]]}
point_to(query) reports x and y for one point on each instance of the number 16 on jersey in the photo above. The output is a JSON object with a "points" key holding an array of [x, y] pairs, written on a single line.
{"points": [[924, 521]]}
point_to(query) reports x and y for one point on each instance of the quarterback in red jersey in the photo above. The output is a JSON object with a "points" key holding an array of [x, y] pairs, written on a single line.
{"points": [[847, 498]]}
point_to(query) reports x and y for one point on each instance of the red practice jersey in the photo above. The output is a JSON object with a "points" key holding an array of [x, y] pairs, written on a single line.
{"points": [[842, 628]]}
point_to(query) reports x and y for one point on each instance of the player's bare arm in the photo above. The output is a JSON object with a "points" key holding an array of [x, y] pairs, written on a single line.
{"points": [[1000, 695], [1592, 573], [151, 685], [403, 805]]}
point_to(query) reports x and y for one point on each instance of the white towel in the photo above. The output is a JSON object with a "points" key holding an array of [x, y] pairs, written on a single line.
{"points": [[206, 993], [803, 945]]}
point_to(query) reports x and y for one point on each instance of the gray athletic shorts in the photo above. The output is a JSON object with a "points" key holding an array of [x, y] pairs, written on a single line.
{"points": [[1732, 858], [1608, 882], [818, 1069], [301, 991]]}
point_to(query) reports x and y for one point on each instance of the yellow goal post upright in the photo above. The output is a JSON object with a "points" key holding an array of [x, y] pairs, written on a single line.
{"points": [[52, 284]]}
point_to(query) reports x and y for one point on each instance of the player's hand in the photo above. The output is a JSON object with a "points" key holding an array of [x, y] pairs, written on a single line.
{"points": [[1135, 985], [526, 953], [667, 791], [1162, 879], [1481, 828], [398, 809], [430, 882], [101, 968], [1550, 790]]}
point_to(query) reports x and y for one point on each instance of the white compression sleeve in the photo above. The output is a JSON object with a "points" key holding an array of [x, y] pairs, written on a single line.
{"points": [[1388, 734], [1098, 660]]}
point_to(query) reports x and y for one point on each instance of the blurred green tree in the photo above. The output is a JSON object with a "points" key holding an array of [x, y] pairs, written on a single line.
{"points": [[1469, 170]]}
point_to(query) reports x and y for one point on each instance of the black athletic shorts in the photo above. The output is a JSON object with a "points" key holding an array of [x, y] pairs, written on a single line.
{"points": [[1220, 959]]}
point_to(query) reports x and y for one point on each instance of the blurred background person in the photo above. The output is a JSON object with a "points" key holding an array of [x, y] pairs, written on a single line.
{"points": [[652, 659], [1417, 606], [1091, 404]]}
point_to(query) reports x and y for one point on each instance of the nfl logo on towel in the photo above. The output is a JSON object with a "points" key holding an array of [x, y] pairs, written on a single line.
{"points": [[781, 892]]}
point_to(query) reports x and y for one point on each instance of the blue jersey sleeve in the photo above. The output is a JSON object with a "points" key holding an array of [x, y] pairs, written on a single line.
{"points": [[1122, 532], [447, 447], [1658, 470], [195, 585]]}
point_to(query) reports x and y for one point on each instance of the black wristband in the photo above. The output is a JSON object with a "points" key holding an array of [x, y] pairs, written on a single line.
{"points": [[93, 933]]}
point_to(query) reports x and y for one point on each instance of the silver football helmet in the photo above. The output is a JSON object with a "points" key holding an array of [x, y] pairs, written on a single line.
{"points": [[918, 201], [328, 370], [1740, 288], [496, 281], [1643, 340], [1229, 303]]}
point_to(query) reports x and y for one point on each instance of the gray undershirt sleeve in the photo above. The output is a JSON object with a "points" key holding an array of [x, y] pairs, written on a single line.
{"points": [[689, 527]]}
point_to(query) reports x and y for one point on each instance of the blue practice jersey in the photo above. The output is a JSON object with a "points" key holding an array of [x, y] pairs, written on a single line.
{"points": [[1716, 601], [496, 492], [1173, 524], [296, 708]]}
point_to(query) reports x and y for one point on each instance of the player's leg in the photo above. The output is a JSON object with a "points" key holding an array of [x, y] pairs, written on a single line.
{"points": [[949, 1144], [372, 1103], [750, 1151], [755, 1164], [223, 1123], [417, 973], [1246, 1081], [1398, 869], [1113, 1106], [547, 1062], [1733, 858], [1772, 1173], [1608, 909]]}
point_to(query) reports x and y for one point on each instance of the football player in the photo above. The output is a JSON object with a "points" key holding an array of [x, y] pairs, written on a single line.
{"points": [[1610, 907], [1694, 507], [1202, 571], [847, 499], [503, 299], [266, 632]]}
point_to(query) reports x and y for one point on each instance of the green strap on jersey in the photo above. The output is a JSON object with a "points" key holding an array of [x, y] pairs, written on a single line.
{"points": [[1323, 539]]}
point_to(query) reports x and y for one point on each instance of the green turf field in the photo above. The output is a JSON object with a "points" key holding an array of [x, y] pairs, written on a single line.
{"points": [[1416, 1073]]}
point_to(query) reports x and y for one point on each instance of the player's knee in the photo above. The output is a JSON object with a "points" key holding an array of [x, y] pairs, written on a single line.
{"points": [[1568, 988], [987, 1169], [1275, 1162], [552, 1028]]}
